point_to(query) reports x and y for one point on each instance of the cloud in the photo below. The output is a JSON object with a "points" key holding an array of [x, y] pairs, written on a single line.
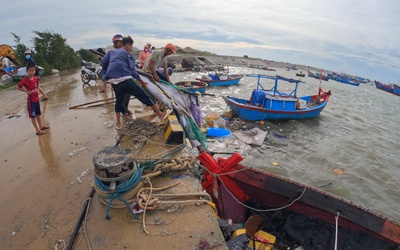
{"points": [[347, 35]]}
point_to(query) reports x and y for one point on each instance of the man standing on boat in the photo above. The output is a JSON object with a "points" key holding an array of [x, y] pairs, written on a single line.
{"points": [[156, 63]]}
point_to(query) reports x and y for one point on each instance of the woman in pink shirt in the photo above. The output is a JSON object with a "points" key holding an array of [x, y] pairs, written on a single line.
{"points": [[143, 55]]}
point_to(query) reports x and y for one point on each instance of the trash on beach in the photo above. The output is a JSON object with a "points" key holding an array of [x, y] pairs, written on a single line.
{"points": [[339, 171], [275, 163], [12, 116], [254, 136], [82, 176], [278, 134], [135, 208], [76, 152], [218, 132]]}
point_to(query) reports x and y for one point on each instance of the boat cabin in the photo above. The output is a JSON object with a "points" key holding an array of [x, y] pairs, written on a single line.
{"points": [[273, 98]]}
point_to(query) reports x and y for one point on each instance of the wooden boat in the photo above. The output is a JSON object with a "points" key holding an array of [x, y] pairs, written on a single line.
{"points": [[220, 77], [396, 89], [221, 80], [342, 78], [296, 214], [318, 76], [193, 86], [273, 104], [385, 87], [18, 73], [379, 85]]}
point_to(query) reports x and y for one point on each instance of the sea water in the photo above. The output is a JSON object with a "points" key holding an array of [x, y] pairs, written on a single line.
{"points": [[352, 149]]}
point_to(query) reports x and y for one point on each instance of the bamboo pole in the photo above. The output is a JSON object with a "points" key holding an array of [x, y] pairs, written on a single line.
{"points": [[87, 103]]}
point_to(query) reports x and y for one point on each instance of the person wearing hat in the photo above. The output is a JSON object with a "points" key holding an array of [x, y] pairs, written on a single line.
{"points": [[30, 61], [157, 63], [117, 43], [150, 48], [121, 72]]}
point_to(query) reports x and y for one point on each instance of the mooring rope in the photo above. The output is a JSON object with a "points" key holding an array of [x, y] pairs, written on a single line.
{"points": [[138, 131], [120, 191], [128, 191], [336, 229]]}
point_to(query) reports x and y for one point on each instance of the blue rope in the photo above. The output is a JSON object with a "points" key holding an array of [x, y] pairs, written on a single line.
{"points": [[120, 190]]}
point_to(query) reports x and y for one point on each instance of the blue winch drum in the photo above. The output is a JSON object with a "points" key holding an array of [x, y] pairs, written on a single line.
{"points": [[257, 98], [213, 77]]}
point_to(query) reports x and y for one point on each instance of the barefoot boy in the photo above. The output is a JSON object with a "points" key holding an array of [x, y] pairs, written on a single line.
{"points": [[30, 85]]}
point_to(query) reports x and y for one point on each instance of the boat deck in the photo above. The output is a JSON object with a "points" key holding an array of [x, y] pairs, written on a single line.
{"points": [[184, 226]]}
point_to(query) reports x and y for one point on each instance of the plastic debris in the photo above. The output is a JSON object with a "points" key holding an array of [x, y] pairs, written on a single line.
{"points": [[254, 136], [76, 152], [339, 171], [82, 176]]}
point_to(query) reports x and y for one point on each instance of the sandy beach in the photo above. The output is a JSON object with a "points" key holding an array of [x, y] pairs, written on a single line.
{"points": [[46, 179]]}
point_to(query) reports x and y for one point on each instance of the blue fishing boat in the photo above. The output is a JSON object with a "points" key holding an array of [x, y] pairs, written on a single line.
{"points": [[221, 80], [385, 87], [379, 85], [396, 89], [221, 77], [193, 86], [319, 76], [344, 79], [273, 104]]}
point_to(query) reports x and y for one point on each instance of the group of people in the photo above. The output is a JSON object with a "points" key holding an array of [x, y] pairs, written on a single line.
{"points": [[119, 69]]}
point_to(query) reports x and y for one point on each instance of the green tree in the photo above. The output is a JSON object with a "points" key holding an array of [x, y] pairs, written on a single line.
{"points": [[88, 56], [53, 49], [50, 51], [19, 49]]}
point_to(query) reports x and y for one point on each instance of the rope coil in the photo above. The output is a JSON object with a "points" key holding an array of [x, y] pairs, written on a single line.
{"points": [[133, 190], [120, 191]]}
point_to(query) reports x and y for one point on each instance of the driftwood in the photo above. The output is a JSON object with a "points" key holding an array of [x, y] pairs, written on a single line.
{"points": [[84, 104]]}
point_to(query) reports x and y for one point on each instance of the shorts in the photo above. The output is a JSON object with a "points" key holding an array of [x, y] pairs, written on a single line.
{"points": [[130, 87], [34, 109]]}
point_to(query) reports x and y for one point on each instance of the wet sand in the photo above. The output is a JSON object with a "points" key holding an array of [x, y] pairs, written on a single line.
{"points": [[46, 179]]}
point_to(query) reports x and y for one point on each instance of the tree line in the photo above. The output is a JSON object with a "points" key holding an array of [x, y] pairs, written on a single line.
{"points": [[51, 51]]}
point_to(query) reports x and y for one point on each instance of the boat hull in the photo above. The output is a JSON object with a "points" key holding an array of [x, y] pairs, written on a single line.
{"points": [[385, 87], [396, 90], [240, 189], [193, 86], [233, 80], [244, 111]]}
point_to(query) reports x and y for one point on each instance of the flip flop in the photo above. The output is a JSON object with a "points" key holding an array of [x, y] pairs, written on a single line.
{"points": [[45, 127], [117, 128], [41, 133]]}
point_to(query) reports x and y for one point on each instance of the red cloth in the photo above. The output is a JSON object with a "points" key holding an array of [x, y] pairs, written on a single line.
{"points": [[32, 86]]}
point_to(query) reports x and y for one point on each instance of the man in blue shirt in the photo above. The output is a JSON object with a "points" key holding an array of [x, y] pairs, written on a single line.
{"points": [[122, 74]]}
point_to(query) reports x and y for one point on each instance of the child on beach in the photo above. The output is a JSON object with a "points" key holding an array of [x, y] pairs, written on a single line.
{"points": [[30, 85]]}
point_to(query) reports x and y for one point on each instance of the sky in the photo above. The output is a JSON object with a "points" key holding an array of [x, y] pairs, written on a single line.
{"points": [[360, 38]]}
